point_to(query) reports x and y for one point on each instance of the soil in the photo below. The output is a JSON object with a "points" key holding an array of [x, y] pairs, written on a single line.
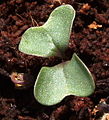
{"points": [[89, 39]]}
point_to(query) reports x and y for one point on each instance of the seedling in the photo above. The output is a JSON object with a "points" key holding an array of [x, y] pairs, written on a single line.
{"points": [[67, 78], [52, 38]]}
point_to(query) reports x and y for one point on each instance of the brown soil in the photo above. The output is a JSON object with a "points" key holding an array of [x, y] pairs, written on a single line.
{"points": [[89, 39]]}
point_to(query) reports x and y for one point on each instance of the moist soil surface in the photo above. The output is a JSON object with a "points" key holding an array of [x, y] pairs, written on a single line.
{"points": [[89, 39]]}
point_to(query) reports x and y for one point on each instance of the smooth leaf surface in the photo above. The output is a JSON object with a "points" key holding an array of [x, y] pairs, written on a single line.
{"points": [[52, 38], [59, 25], [32, 45], [69, 78]]}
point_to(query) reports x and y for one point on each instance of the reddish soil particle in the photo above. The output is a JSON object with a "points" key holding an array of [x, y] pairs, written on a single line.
{"points": [[8, 109], [92, 46]]}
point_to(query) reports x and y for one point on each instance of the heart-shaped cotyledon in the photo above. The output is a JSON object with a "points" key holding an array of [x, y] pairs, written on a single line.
{"points": [[52, 38], [69, 78]]}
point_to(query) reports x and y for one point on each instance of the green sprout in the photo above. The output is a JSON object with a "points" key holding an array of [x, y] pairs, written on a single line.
{"points": [[72, 77], [52, 38], [68, 78]]}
